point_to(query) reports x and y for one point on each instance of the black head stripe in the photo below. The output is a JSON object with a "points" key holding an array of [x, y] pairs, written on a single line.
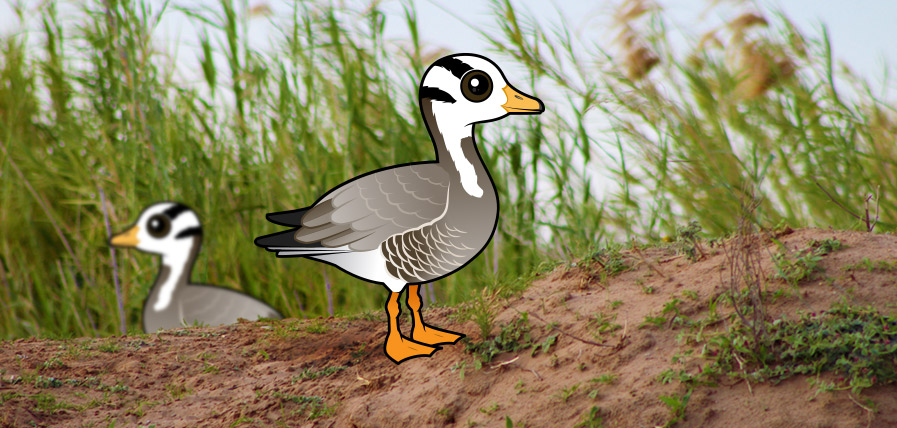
{"points": [[455, 65], [436, 94], [192, 231], [175, 210]]}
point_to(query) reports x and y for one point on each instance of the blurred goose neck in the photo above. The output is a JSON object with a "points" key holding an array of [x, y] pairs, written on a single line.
{"points": [[175, 274]]}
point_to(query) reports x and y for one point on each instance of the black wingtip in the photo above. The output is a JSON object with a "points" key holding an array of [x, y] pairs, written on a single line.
{"points": [[278, 239], [290, 218]]}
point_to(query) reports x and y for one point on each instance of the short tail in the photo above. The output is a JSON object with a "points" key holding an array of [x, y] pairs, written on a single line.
{"points": [[284, 243]]}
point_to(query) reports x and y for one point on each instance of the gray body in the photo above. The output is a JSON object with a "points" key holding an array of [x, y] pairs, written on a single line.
{"points": [[207, 305], [418, 217]]}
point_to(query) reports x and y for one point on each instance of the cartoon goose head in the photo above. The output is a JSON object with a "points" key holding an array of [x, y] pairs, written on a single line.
{"points": [[173, 230], [409, 224]]}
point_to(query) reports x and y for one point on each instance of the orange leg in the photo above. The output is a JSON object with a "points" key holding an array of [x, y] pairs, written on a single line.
{"points": [[397, 347], [424, 333]]}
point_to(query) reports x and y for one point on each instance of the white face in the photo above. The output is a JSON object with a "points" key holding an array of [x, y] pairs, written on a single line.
{"points": [[164, 228], [484, 76]]}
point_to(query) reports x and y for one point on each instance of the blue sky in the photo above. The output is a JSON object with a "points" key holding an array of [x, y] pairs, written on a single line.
{"points": [[863, 32]]}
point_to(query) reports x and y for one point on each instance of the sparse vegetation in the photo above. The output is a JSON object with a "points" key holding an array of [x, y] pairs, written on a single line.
{"points": [[794, 267], [565, 393], [317, 328], [677, 405], [689, 242], [512, 337], [592, 419], [312, 407], [858, 344], [310, 374], [611, 261], [872, 266]]}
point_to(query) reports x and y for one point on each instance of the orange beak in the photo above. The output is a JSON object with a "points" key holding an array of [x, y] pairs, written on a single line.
{"points": [[520, 103], [126, 239]]}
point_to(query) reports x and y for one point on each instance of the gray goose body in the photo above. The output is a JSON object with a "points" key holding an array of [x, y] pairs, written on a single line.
{"points": [[410, 224], [173, 301]]}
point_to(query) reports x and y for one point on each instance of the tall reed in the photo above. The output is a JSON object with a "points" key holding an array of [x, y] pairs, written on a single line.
{"points": [[634, 143]]}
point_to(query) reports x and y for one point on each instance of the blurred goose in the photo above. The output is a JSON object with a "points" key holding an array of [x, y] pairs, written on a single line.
{"points": [[410, 224], [173, 231]]}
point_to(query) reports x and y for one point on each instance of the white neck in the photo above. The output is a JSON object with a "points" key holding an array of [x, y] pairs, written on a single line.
{"points": [[177, 264], [453, 136]]}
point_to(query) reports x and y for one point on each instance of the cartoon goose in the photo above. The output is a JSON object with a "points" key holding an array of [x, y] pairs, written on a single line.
{"points": [[173, 231], [415, 223]]}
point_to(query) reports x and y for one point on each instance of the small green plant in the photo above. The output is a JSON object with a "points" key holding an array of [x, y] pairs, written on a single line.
{"points": [[800, 265], [118, 388], [825, 246], [492, 408], [545, 345], [672, 307], [317, 328], [653, 322], [600, 324], [312, 407], [611, 261], [689, 242], [520, 387], [565, 393], [677, 405], [649, 289], [177, 390], [480, 310], [872, 266], [263, 354], [52, 363], [140, 409], [593, 419], [242, 420], [47, 382], [513, 337], [615, 304], [605, 379], [110, 347], [309, 374], [459, 366], [47, 403]]}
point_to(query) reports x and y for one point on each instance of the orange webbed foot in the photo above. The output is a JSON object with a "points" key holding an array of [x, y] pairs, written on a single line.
{"points": [[399, 348], [434, 336]]}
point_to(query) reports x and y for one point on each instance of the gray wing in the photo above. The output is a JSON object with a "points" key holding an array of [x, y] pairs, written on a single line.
{"points": [[213, 306], [363, 212]]}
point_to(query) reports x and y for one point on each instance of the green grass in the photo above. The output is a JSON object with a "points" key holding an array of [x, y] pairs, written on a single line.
{"points": [[592, 419], [677, 405], [310, 374], [872, 266], [312, 407], [94, 124], [797, 266], [857, 344], [512, 337]]}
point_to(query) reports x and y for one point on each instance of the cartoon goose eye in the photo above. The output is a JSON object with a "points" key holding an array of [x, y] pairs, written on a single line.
{"points": [[476, 86], [158, 226]]}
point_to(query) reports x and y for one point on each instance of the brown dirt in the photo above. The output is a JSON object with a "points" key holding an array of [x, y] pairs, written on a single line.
{"points": [[250, 374]]}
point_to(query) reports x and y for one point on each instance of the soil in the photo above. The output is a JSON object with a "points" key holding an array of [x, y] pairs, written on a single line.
{"points": [[333, 372]]}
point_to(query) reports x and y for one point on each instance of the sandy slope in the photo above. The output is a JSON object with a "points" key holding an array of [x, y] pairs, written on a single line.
{"points": [[332, 372]]}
